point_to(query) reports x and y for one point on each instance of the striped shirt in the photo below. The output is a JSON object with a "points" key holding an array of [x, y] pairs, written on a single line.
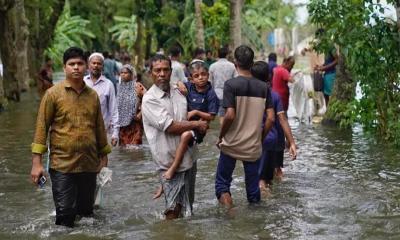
{"points": [[106, 91], [77, 134]]}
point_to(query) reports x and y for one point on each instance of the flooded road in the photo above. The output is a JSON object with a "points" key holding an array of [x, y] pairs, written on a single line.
{"points": [[342, 186]]}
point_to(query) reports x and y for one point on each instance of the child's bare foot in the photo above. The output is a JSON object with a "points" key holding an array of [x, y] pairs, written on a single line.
{"points": [[158, 193]]}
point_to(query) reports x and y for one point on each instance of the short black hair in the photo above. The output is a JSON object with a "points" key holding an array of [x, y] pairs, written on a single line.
{"points": [[223, 52], [244, 57], [175, 51], [106, 54], [73, 52], [198, 51], [159, 57], [272, 57], [260, 70]]}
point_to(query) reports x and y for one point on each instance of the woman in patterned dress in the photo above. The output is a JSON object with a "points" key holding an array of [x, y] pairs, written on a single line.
{"points": [[129, 99]]}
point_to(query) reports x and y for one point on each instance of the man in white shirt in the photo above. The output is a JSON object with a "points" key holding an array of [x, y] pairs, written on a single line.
{"points": [[220, 72], [177, 68], [106, 91]]}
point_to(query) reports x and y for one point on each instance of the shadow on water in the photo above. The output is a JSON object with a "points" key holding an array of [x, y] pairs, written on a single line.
{"points": [[342, 186]]}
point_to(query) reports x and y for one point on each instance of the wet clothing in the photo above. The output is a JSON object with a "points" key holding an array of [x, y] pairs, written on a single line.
{"points": [[249, 97], [73, 194], [223, 179], [268, 162], [280, 81], [77, 134], [159, 110], [179, 190]]}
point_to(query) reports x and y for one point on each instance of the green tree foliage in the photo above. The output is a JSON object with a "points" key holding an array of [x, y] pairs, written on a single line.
{"points": [[124, 31], [370, 44], [70, 31]]}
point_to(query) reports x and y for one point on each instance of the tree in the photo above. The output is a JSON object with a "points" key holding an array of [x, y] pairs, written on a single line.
{"points": [[43, 17], [13, 38], [70, 31], [199, 24], [235, 28], [370, 44]]}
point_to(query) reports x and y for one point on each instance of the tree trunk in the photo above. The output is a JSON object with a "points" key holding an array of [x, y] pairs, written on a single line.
{"points": [[138, 44], [398, 18], [343, 92], [149, 37], [199, 24], [235, 31], [8, 50], [22, 35], [42, 29]]}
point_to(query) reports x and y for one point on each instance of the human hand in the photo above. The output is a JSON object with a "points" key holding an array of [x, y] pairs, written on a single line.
{"points": [[218, 143], [169, 174], [182, 88], [202, 126], [37, 168], [103, 162], [292, 151], [114, 142]]}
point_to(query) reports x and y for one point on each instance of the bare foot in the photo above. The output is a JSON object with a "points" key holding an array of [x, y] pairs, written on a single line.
{"points": [[265, 190], [158, 193], [226, 200], [279, 173]]}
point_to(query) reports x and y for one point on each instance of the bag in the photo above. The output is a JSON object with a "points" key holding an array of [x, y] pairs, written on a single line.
{"points": [[318, 80]]}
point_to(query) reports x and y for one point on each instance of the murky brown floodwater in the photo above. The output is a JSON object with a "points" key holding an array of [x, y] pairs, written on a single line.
{"points": [[342, 186]]}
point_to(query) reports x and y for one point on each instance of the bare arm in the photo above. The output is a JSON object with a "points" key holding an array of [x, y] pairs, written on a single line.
{"points": [[288, 134], [229, 117]]}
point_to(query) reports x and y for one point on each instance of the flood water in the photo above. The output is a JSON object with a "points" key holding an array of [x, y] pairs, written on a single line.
{"points": [[342, 186]]}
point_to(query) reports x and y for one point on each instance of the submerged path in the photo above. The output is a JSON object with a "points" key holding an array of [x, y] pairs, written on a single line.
{"points": [[342, 186]]}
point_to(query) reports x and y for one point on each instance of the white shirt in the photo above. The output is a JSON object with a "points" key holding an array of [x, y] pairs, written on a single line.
{"points": [[220, 71], [159, 109], [177, 72], [105, 89]]}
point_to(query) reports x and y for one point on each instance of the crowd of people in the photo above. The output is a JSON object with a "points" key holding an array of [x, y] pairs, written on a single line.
{"points": [[101, 104]]}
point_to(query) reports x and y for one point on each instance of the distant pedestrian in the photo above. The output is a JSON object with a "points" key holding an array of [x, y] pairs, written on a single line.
{"points": [[220, 72], [46, 75], [178, 73], [129, 102], [281, 78], [105, 89], [110, 69]]}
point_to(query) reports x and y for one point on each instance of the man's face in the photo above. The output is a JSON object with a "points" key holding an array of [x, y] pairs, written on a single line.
{"points": [[161, 74], [75, 68], [96, 66]]}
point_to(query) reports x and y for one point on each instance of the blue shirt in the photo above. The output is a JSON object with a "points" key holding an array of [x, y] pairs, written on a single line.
{"points": [[275, 140], [271, 66], [206, 101]]}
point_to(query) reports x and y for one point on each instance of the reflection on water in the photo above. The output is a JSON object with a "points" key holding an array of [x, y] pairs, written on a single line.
{"points": [[342, 186]]}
